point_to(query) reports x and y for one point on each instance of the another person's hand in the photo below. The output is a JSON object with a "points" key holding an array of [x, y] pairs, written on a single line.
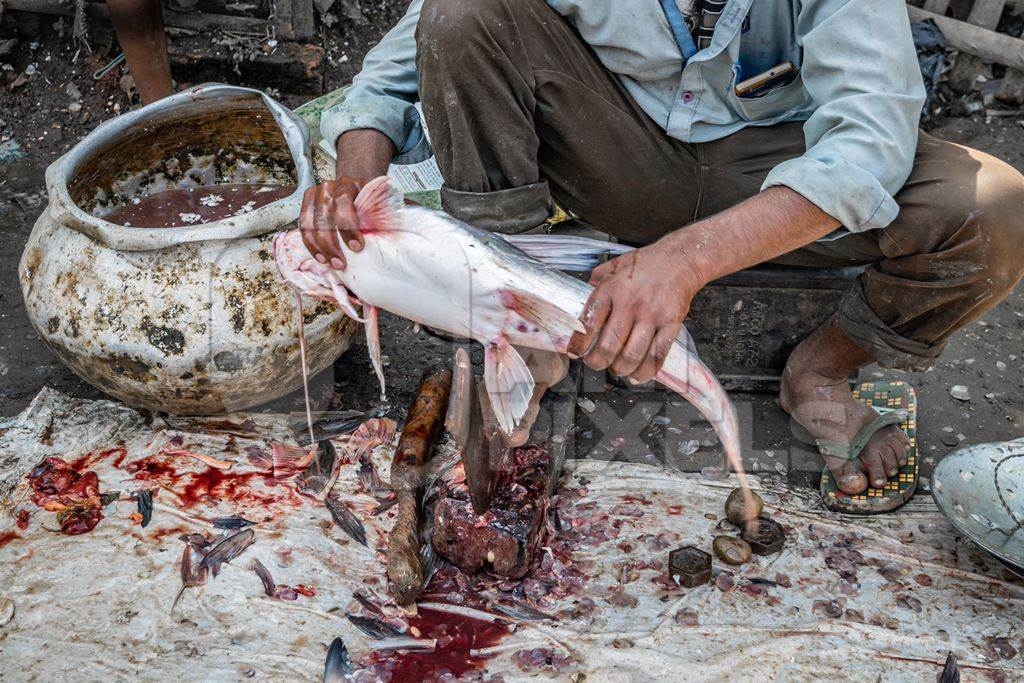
{"points": [[635, 311], [329, 216]]}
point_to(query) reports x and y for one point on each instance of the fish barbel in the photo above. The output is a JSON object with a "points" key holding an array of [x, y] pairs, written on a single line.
{"points": [[428, 267]]}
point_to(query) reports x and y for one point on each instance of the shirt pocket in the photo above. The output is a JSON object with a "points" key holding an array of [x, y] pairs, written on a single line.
{"points": [[772, 105]]}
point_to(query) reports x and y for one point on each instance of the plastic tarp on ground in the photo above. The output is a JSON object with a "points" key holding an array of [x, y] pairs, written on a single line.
{"points": [[868, 599]]}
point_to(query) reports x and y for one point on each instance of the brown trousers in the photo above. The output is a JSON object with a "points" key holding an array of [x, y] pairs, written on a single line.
{"points": [[521, 113]]}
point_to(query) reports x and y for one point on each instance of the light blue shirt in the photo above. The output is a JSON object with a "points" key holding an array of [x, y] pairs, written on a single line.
{"points": [[859, 90]]}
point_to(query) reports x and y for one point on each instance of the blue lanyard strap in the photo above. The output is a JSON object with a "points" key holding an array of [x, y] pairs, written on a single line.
{"points": [[679, 30]]}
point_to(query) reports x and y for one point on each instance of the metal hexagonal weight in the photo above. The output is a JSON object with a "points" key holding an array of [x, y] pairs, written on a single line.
{"points": [[689, 566], [767, 538]]}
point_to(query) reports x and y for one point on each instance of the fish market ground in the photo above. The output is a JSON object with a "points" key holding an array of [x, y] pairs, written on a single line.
{"points": [[61, 103]]}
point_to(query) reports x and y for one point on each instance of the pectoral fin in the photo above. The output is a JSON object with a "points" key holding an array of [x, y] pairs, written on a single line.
{"points": [[544, 314], [343, 297], [377, 205], [373, 344], [509, 384]]}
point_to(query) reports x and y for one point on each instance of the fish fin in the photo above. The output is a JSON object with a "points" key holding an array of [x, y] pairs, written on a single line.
{"points": [[338, 665], [509, 384], [544, 314], [686, 340], [343, 297], [566, 252], [457, 418], [687, 375], [376, 205], [373, 344]]}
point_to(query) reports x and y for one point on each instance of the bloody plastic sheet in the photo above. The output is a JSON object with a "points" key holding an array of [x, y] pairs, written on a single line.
{"points": [[866, 599]]}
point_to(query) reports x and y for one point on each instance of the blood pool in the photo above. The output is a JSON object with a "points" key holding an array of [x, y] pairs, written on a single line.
{"points": [[194, 205]]}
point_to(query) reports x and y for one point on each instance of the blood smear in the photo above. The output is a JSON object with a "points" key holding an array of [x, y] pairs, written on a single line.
{"points": [[192, 206]]}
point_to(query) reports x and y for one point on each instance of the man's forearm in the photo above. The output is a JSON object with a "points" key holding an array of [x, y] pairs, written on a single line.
{"points": [[769, 224], [364, 153]]}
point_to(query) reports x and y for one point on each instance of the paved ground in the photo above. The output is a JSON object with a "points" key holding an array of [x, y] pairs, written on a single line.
{"points": [[988, 358]]}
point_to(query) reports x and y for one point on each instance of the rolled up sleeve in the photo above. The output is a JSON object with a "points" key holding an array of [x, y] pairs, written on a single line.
{"points": [[860, 69], [384, 93]]}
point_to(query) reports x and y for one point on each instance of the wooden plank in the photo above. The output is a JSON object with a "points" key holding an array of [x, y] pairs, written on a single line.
{"points": [[196, 21], [303, 22], [989, 45], [986, 13]]}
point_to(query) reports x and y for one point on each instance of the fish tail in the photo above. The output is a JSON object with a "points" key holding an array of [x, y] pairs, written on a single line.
{"points": [[687, 375]]}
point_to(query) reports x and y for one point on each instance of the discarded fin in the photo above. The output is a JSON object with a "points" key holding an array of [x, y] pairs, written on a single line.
{"points": [[144, 503], [429, 562], [261, 571], [318, 479], [109, 497], [326, 425], [229, 548], [345, 519], [368, 604], [522, 611], [951, 671], [193, 573], [375, 628], [338, 664], [231, 523], [509, 384]]}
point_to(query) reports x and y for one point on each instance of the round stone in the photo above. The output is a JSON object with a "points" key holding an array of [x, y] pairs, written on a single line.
{"points": [[731, 549], [736, 509]]}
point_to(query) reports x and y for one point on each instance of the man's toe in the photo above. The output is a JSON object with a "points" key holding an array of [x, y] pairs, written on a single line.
{"points": [[902, 447], [848, 475], [888, 454], [871, 459]]}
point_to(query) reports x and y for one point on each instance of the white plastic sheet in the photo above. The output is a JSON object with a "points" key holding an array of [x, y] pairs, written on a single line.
{"points": [[97, 606]]}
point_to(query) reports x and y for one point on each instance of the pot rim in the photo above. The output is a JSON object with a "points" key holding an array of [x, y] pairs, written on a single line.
{"points": [[266, 219]]}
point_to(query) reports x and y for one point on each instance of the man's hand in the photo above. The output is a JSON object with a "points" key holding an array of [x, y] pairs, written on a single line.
{"points": [[328, 215], [635, 311], [641, 298]]}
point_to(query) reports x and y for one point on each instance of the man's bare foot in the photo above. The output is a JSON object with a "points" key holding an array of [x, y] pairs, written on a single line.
{"points": [[815, 393]]}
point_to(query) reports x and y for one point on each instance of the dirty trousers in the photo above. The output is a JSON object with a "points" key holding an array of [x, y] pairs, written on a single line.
{"points": [[522, 114]]}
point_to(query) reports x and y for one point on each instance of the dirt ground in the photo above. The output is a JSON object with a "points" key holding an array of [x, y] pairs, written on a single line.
{"points": [[60, 103]]}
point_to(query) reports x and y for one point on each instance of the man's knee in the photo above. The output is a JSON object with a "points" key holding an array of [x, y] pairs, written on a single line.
{"points": [[448, 27], [967, 208], [999, 211]]}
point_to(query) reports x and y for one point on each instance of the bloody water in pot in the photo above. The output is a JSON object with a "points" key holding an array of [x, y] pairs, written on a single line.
{"points": [[192, 206]]}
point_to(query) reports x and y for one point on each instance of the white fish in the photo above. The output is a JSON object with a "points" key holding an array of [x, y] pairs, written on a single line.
{"points": [[428, 267]]}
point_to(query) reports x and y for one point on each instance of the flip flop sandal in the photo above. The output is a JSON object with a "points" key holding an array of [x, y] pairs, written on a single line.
{"points": [[896, 404]]}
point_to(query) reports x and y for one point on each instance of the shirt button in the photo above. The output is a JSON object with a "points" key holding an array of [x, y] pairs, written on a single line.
{"points": [[687, 96]]}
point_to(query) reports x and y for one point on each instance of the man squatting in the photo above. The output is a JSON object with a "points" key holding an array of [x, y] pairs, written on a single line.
{"points": [[628, 114]]}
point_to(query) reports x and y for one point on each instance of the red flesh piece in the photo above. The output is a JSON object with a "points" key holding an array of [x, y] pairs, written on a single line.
{"points": [[74, 497]]}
